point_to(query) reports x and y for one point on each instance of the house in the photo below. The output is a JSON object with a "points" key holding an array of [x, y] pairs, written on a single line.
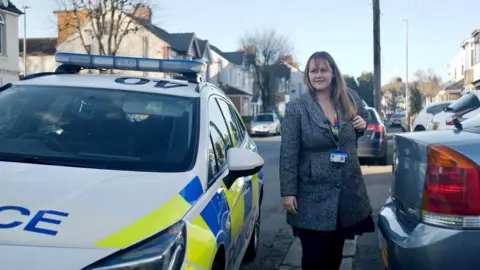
{"points": [[40, 55], [9, 14], [143, 40], [232, 72], [297, 84], [471, 48], [448, 94]]}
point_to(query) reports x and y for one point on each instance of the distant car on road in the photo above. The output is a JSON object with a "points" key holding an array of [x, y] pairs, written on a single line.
{"points": [[266, 124], [373, 144], [431, 219], [396, 119]]}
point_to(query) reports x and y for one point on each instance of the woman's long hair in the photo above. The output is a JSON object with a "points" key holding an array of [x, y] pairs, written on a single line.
{"points": [[340, 92]]}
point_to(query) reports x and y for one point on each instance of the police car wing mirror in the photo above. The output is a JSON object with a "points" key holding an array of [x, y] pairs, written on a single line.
{"points": [[241, 162]]}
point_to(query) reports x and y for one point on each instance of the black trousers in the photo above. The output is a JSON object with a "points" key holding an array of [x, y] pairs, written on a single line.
{"points": [[321, 250]]}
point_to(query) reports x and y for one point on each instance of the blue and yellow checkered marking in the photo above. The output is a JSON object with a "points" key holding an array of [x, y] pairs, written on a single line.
{"points": [[192, 191], [217, 214], [205, 233], [157, 220]]}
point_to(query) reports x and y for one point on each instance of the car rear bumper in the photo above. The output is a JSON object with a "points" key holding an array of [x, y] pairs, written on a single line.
{"points": [[371, 148], [425, 247]]}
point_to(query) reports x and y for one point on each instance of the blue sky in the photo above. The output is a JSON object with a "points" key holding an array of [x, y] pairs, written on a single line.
{"points": [[341, 27]]}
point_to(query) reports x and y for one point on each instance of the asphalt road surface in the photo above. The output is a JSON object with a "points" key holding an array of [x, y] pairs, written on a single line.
{"points": [[276, 235]]}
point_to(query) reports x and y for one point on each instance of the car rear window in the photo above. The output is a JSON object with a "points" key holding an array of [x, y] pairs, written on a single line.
{"points": [[373, 118], [98, 128], [263, 118], [468, 101]]}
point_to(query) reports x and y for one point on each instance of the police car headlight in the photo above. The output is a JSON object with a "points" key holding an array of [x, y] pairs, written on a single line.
{"points": [[163, 251]]}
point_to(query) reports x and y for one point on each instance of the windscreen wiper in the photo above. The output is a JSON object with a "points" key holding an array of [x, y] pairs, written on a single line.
{"points": [[32, 159], [95, 155]]}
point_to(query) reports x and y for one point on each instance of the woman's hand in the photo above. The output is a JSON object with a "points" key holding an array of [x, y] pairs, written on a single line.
{"points": [[358, 123], [290, 204]]}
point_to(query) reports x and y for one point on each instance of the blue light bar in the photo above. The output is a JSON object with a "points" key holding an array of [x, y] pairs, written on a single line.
{"points": [[130, 63]]}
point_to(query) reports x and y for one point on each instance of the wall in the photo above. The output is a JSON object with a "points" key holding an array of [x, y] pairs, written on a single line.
{"points": [[296, 83], [9, 62], [224, 72], [216, 67], [456, 66], [38, 63]]}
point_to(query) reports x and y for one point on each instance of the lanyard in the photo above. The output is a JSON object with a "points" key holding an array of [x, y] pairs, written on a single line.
{"points": [[335, 129]]}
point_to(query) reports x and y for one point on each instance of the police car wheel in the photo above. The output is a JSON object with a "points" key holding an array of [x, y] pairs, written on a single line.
{"points": [[252, 249]]}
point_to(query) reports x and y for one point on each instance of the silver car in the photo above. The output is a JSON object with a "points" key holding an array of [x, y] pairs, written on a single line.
{"points": [[265, 124], [431, 220]]}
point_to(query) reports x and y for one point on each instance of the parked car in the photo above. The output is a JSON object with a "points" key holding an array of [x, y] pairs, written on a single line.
{"points": [[373, 144], [431, 220], [265, 124], [465, 107], [427, 113], [396, 119]]}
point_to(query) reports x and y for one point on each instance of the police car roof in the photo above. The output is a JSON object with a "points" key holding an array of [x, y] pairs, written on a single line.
{"points": [[102, 81]]}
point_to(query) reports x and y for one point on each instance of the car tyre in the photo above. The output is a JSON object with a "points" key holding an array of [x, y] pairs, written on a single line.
{"points": [[383, 160], [419, 128], [217, 265], [252, 249]]}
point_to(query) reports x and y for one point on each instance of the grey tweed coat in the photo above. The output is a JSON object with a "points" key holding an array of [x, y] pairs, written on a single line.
{"points": [[329, 195]]}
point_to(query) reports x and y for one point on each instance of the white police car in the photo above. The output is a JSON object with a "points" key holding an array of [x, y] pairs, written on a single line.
{"points": [[121, 172]]}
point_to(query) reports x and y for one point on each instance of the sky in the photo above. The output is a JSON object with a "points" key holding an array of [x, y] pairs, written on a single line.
{"points": [[344, 28]]}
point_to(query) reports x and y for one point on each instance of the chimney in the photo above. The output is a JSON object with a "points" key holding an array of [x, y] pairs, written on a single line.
{"points": [[289, 59], [67, 23], [142, 12]]}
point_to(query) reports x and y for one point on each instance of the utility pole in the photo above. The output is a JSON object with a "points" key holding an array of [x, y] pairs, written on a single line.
{"points": [[407, 94], [25, 40], [377, 67]]}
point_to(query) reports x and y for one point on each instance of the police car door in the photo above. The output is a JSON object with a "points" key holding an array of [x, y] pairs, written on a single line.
{"points": [[239, 196]]}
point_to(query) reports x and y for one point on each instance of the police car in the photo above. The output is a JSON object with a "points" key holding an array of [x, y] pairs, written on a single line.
{"points": [[115, 172]]}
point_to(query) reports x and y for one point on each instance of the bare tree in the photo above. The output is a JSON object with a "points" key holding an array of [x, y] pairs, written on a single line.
{"points": [[269, 49], [107, 22], [394, 94], [428, 82]]}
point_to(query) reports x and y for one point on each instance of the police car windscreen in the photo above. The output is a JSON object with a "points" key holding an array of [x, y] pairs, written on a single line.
{"points": [[98, 128]]}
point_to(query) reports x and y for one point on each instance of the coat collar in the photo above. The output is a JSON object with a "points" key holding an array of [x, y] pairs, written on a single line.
{"points": [[316, 112]]}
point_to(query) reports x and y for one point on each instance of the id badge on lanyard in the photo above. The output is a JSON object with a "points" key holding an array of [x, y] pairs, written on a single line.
{"points": [[337, 156]]}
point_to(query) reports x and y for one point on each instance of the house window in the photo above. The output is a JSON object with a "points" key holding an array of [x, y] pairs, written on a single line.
{"points": [[477, 53], [472, 56], [3, 44]]}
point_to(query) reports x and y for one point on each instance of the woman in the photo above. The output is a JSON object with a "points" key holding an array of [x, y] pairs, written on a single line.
{"points": [[322, 186]]}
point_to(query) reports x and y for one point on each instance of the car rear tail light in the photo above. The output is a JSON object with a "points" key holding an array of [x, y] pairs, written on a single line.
{"points": [[450, 122], [459, 116], [452, 189], [377, 129]]}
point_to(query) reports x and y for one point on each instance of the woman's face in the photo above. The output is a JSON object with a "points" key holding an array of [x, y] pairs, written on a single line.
{"points": [[320, 74]]}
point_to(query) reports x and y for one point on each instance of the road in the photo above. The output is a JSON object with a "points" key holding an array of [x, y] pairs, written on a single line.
{"points": [[276, 235]]}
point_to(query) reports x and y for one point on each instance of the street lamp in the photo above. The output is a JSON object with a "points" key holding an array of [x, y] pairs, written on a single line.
{"points": [[25, 40], [407, 101]]}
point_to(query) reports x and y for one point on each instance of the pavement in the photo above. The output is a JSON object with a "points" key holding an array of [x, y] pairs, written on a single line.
{"points": [[279, 250], [294, 256]]}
